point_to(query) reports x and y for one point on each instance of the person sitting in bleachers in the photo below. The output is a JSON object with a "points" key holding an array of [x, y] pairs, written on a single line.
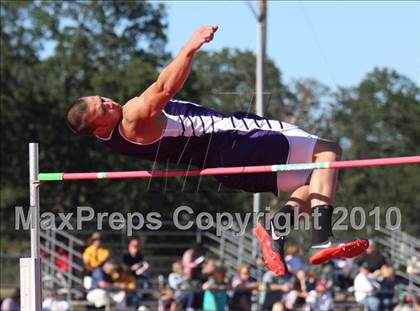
{"points": [[53, 303], [134, 260], [311, 280], [243, 284], [387, 284], [184, 291], [123, 278], [176, 280], [365, 289], [344, 272], [104, 291], [167, 302], [320, 299], [215, 291], [62, 261], [293, 259], [191, 261], [373, 258], [95, 254], [279, 289], [11, 303], [300, 287], [208, 268]]}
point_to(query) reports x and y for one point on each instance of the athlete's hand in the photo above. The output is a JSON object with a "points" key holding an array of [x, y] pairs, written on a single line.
{"points": [[203, 34]]}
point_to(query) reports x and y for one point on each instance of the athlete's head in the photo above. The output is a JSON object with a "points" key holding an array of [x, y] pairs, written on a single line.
{"points": [[93, 115]]}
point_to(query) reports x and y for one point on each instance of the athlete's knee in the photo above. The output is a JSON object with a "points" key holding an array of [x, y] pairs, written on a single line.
{"points": [[328, 150]]}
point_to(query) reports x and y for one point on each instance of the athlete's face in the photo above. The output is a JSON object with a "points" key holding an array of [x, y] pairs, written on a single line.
{"points": [[104, 113]]}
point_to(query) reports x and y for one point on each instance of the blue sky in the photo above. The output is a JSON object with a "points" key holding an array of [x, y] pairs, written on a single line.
{"points": [[335, 42]]}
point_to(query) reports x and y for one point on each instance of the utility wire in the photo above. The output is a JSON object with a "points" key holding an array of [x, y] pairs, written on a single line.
{"points": [[254, 12], [318, 43]]}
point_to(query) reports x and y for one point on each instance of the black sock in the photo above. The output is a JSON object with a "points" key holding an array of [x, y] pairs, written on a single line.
{"points": [[288, 211], [324, 231]]}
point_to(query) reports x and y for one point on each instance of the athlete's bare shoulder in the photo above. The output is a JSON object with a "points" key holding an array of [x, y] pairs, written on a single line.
{"points": [[142, 130]]}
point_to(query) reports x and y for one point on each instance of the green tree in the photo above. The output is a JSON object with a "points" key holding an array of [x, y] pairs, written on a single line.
{"points": [[226, 80], [379, 118], [309, 106], [52, 53]]}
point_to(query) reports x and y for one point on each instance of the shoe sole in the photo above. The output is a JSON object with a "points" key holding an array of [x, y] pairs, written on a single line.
{"points": [[272, 259], [346, 250]]}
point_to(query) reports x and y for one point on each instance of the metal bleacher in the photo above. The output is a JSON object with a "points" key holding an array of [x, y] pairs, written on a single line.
{"points": [[403, 252], [161, 248], [166, 245]]}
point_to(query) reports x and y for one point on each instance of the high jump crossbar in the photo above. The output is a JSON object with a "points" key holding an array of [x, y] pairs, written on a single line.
{"points": [[231, 170]]}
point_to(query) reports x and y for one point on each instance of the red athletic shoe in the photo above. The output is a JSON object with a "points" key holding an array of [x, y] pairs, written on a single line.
{"points": [[272, 250], [335, 248]]}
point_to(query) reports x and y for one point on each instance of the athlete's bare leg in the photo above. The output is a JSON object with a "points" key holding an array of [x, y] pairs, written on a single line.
{"points": [[323, 186], [300, 198], [317, 195], [323, 182]]}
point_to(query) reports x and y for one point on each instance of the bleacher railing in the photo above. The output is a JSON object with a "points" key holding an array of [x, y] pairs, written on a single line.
{"points": [[401, 249], [403, 252], [69, 281]]}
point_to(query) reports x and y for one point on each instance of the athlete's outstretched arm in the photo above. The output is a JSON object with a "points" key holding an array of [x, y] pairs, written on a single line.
{"points": [[150, 103]]}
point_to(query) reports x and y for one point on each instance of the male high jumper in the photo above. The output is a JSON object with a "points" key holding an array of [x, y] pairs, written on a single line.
{"points": [[156, 127]]}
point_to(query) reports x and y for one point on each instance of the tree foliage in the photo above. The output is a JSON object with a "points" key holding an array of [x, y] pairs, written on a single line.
{"points": [[52, 53], [380, 118]]}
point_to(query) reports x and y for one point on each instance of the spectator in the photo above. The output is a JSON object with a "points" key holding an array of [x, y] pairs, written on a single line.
{"points": [[269, 297], [134, 260], [208, 268], [279, 289], [191, 261], [311, 280], [62, 259], [365, 289], [12, 303], [320, 299], [168, 302], [293, 260], [124, 279], [373, 257], [103, 291], [215, 291], [278, 306], [387, 283], [300, 286], [194, 297], [326, 272], [176, 281], [406, 302], [53, 303], [95, 255], [185, 289], [243, 284], [62, 262], [413, 265], [344, 272]]}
